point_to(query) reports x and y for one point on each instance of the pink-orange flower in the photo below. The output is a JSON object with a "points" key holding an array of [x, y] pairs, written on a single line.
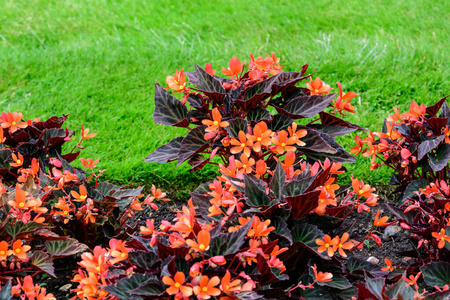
{"points": [[12, 121], [234, 69], [148, 228], [20, 201], [322, 276], [177, 83], [20, 250], [245, 164], [318, 87], [243, 144], [118, 251], [4, 252], [361, 189], [297, 135], [261, 136], [378, 222], [342, 244], [202, 244], [176, 285], [216, 121], [412, 280], [89, 163], [85, 133], [227, 286], [209, 69], [342, 102], [389, 266], [207, 287]]}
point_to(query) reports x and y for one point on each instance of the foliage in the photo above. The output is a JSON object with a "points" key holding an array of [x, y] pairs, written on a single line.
{"points": [[227, 116]]}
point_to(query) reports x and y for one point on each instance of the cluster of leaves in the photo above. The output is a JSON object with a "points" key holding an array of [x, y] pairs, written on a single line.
{"points": [[223, 114], [50, 209], [416, 145]]}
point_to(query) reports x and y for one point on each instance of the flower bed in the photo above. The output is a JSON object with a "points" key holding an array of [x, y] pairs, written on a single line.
{"points": [[274, 223]]}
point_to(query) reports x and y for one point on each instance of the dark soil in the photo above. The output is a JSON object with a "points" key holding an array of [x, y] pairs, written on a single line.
{"points": [[64, 271]]}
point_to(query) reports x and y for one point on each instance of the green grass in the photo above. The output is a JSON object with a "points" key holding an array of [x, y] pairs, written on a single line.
{"points": [[98, 61]]}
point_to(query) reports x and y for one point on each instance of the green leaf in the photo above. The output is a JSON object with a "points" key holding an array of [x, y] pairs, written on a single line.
{"points": [[279, 122], [277, 181], [247, 295], [338, 281], [306, 106], [297, 186], [340, 156], [235, 126], [440, 159], [165, 153], [229, 243], [207, 82], [143, 260], [414, 186], [400, 288], [255, 193], [19, 228], [333, 121], [281, 228], [332, 130], [168, 110], [445, 295], [258, 114], [150, 287], [307, 234], [436, 273], [314, 142], [6, 291], [41, 261], [65, 247], [375, 285], [193, 143], [123, 287], [428, 145], [358, 266]]}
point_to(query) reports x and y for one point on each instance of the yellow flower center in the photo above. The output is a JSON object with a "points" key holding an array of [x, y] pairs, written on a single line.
{"points": [[327, 187], [123, 255], [442, 238], [316, 91], [2, 252], [205, 289], [66, 212], [201, 247], [177, 285], [18, 161], [98, 269], [17, 250], [244, 166], [258, 139], [327, 245], [340, 245], [216, 123], [361, 192], [21, 204], [13, 123], [283, 144], [83, 197]]}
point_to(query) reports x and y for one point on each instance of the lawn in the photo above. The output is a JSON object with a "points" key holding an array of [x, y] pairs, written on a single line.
{"points": [[99, 60]]}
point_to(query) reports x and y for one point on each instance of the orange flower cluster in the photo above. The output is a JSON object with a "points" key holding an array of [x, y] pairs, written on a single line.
{"points": [[31, 291]]}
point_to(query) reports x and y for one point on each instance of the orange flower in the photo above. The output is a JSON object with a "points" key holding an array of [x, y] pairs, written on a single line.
{"points": [[177, 83], [318, 87], [389, 266], [259, 228], [118, 251], [390, 134], [82, 196], [176, 285], [242, 144], [343, 101], [12, 121], [226, 286], [261, 168], [149, 228], [85, 133], [4, 252], [282, 142], [446, 131], [89, 163], [234, 69], [94, 263], [64, 207], [361, 189], [358, 148], [209, 69], [245, 165], [321, 276], [342, 244], [261, 136], [412, 280], [20, 200], [18, 161], [2, 137], [216, 122], [297, 134], [206, 287], [380, 222], [202, 244], [19, 250], [441, 237], [327, 244]]}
